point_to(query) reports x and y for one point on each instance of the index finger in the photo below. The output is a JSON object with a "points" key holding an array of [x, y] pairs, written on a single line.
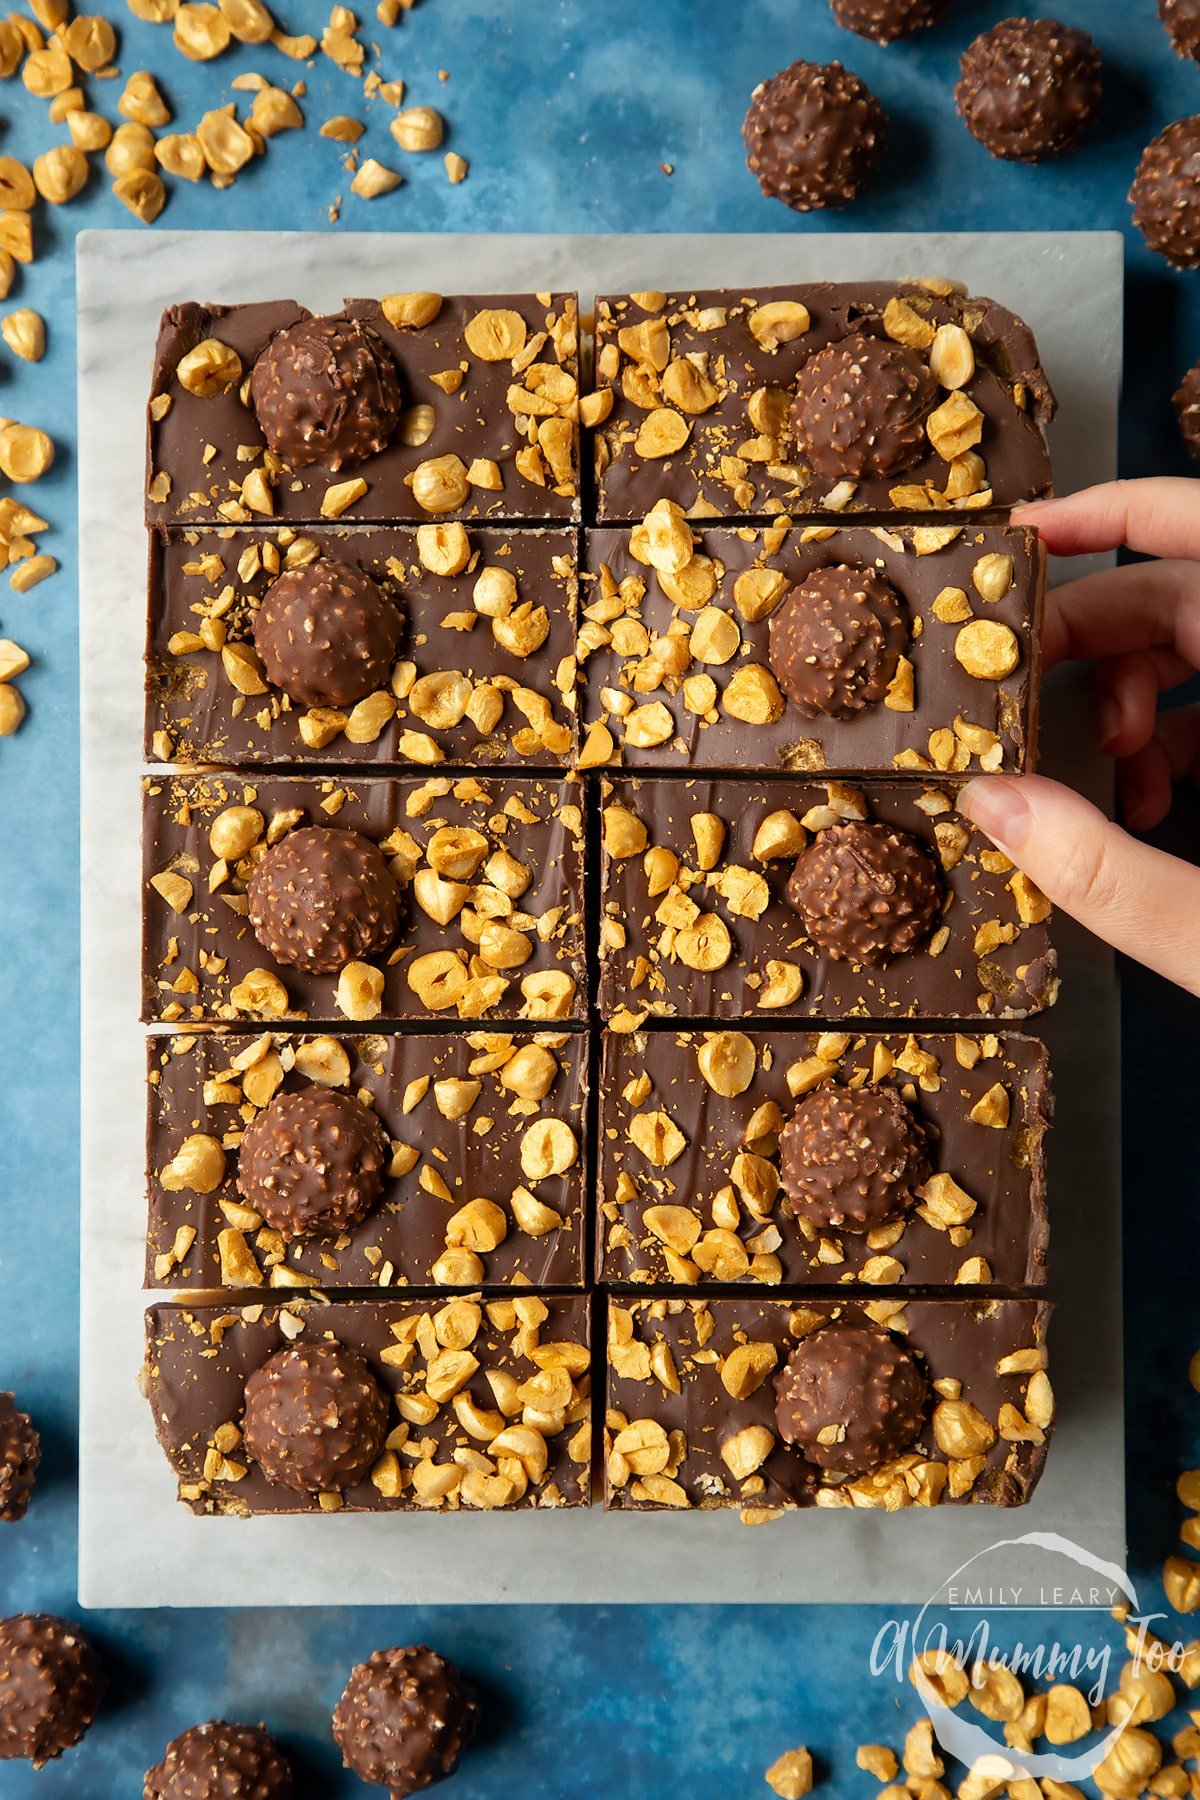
{"points": [[1115, 612], [1159, 516]]}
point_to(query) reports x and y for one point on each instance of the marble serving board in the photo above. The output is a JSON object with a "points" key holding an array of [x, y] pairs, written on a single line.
{"points": [[138, 1547]]}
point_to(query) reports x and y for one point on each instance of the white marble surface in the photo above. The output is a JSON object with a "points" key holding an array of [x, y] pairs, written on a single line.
{"points": [[138, 1547]]}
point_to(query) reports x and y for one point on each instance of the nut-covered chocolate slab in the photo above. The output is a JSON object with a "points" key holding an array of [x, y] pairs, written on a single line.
{"points": [[488, 1401], [696, 921], [703, 385], [691, 1404], [487, 427], [691, 660], [485, 1183], [690, 1159], [499, 859], [483, 671]]}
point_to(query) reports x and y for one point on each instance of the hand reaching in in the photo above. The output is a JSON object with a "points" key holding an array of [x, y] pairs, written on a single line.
{"points": [[1140, 625]]}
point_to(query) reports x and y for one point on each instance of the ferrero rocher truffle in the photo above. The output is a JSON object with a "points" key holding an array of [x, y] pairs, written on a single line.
{"points": [[220, 1762], [814, 135], [326, 633], [50, 1687], [1029, 88], [861, 407], [316, 1417], [404, 1720], [850, 1398], [20, 1454], [312, 1162], [886, 20], [326, 390], [865, 892], [852, 1158], [836, 640], [1187, 409], [323, 897], [1182, 20], [1166, 193]]}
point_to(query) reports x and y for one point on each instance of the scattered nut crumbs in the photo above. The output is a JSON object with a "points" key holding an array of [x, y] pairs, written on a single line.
{"points": [[49, 52]]}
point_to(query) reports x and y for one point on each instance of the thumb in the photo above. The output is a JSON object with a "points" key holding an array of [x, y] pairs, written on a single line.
{"points": [[1134, 897]]}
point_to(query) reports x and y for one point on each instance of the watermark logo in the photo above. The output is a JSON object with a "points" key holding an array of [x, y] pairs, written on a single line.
{"points": [[981, 1628]]}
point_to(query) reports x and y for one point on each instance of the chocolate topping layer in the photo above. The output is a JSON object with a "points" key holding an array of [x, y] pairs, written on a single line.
{"points": [[516, 837], [522, 447], [886, 20], [724, 946], [200, 1359], [463, 1103], [865, 892], [1029, 88], [852, 1158], [933, 585], [50, 1686], [220, 1762], [1165, 195], [724, 1418], [729, 1092], [404, 1720], [850, 1397], [326, 633], [1182, 20], [315, 1418], [753, 346], [861, 406], [313, 1162], [496, 694], [836, 641], [322, 898], [20, 1454], [814, 135], [1187, 408], [326, 390]]}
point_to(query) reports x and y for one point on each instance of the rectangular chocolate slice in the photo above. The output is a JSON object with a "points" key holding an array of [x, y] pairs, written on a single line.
{"points": [[691, 1419], [485, 1183], [949, 416], [697, 921], [489, 1401], [499, 859], [488, 426], [483, 673], [949, 1191], [835, 649]]}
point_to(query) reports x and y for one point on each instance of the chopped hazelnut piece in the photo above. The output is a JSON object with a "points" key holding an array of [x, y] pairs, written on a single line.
{"points": [[12, 710], [418, 128], [373, 179], [25, 334], [791, 1775]]}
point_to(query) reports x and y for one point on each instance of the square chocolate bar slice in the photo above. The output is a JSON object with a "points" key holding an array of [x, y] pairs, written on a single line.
{"points": [[413, 1160], [369, 644], [835, 649], [737, 898], [774, 1404], [876, 397], [415, 406], [466, 1403], [337, 900], [831, 1158]]}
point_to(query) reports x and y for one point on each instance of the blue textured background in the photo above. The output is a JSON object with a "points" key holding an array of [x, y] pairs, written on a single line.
{"points": [[566, 112]]}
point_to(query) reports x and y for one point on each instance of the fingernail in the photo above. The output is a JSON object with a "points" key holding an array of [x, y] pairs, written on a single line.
{"points": [[1109, 721], [1000, 809]]}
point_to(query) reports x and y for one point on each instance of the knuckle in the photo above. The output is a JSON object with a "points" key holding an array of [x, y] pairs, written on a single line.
{"points": [[1089, 879]]}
